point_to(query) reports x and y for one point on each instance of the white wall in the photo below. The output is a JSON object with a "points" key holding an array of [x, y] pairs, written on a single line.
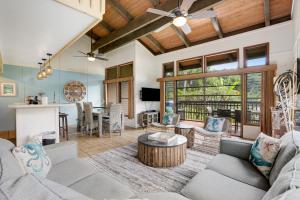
{"points": [[296, 18], [146, 72], [67, 62], [280, 37]]}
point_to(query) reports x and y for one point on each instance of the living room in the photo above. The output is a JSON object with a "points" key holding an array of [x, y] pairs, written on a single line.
{"points": [[149, 99]]}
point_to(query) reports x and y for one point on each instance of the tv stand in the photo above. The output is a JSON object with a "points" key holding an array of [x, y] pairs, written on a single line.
{"points": [[147, 117]]}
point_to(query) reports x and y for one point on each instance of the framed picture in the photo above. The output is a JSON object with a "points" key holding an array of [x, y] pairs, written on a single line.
{"points": [[8, 89]]}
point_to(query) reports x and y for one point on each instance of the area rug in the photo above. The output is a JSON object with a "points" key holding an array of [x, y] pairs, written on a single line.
{"points": [[122, 164]]}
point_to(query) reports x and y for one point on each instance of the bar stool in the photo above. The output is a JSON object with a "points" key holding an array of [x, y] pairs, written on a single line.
{"points": [[63, 125]]}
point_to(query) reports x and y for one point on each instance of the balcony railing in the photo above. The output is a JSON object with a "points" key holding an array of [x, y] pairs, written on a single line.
{"points": [[195, 108]]}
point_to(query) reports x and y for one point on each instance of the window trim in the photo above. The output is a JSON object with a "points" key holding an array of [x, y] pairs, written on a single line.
{"points": [[267, 44], [188, 59], [163, 69], [237, 50]]}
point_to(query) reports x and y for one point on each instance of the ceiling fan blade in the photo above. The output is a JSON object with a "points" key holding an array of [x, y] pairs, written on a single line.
{"points": [[82, 52], [203, 14], [186, 4], [186, 28], [160, 12], [100, 58]]}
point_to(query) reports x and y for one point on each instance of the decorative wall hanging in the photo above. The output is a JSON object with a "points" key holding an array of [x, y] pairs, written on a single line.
{"points": [[74, 91], [8, 89]]}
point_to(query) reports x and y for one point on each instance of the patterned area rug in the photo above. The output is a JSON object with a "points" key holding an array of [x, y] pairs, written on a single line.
{"points": [[122, 164]]}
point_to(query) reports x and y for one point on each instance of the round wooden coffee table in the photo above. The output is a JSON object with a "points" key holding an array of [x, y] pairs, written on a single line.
{"points": [[156, 154]]}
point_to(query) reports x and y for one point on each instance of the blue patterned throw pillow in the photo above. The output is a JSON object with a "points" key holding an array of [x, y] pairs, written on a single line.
{"points": [[214, 124], [264, 152], [168, 118], [33, 159]]}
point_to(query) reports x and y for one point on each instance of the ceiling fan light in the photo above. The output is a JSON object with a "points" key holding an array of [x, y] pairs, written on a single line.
{"points": [[49, 70], [179, 21], [91, 58]]}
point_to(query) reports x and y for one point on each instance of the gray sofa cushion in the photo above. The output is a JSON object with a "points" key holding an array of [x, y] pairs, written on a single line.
{"points": [[288, 178], [289, 195], [232, 147], [70, 171], [160, 196], [100, 186], [210, 185], [238, 169], [10, 167], [29, 187], [286, 153]]}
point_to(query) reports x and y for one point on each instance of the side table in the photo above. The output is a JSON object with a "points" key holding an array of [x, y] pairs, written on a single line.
{"points": [[187, 131]]}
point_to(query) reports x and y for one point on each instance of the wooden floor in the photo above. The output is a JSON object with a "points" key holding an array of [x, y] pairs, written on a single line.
{"points": [[89, 145]]}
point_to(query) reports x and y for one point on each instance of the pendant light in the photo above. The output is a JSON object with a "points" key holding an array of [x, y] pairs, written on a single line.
{"points": [[44, 73], [49, 69], [39, 75]]}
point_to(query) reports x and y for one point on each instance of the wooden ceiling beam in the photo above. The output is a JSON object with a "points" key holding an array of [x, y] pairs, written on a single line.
{"points": [[106, 26], [149, 18], [267, 12], [154, 2], [116, 5], [134, 25], [156, 43], [181, 35], [147, 47], [217, 27], [135, 35]]}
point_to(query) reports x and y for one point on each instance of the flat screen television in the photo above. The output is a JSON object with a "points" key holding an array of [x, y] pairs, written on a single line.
{"points": [[150, 94]]}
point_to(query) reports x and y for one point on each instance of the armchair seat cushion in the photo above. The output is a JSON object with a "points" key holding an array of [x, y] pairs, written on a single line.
{"points": [[210, 185], [70, 171], [158, 125], [238, 169], [100, 186], [203, 131]]}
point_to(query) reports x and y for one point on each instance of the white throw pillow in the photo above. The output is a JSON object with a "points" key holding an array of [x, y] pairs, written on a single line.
{"points": [[264, 152], [32, 158]]}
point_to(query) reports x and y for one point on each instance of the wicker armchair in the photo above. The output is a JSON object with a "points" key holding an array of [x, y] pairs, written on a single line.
{"points": [[166, 127], [213, 137]]}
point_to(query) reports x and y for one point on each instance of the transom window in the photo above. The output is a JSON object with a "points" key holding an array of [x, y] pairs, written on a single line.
{"points": [[222, 61], [256, 55], [191, 66]]}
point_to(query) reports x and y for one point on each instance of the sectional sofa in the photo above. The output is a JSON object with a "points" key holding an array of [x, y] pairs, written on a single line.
{"points": [[228, 176]]}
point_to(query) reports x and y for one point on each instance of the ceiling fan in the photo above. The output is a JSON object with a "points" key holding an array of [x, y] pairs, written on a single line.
{"points": [[92, 56], [180, 14]]}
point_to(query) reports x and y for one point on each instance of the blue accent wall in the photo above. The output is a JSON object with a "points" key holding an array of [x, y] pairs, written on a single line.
{"points": [[28, 85]]}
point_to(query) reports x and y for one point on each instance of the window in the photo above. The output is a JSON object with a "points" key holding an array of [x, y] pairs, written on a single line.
{"points": [[256, 55], [168, 69], [191, 66], [126, 70], [222, 61], [195, 96], [169, 96], [120, 71], [253, 95], [111, 73]]}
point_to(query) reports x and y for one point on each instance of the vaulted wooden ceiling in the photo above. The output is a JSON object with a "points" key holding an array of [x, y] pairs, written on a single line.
{"points": [[127, 20]]}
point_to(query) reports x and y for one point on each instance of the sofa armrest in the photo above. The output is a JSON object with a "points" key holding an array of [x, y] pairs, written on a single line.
{"points": [[239, 149], [60, 152]]}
